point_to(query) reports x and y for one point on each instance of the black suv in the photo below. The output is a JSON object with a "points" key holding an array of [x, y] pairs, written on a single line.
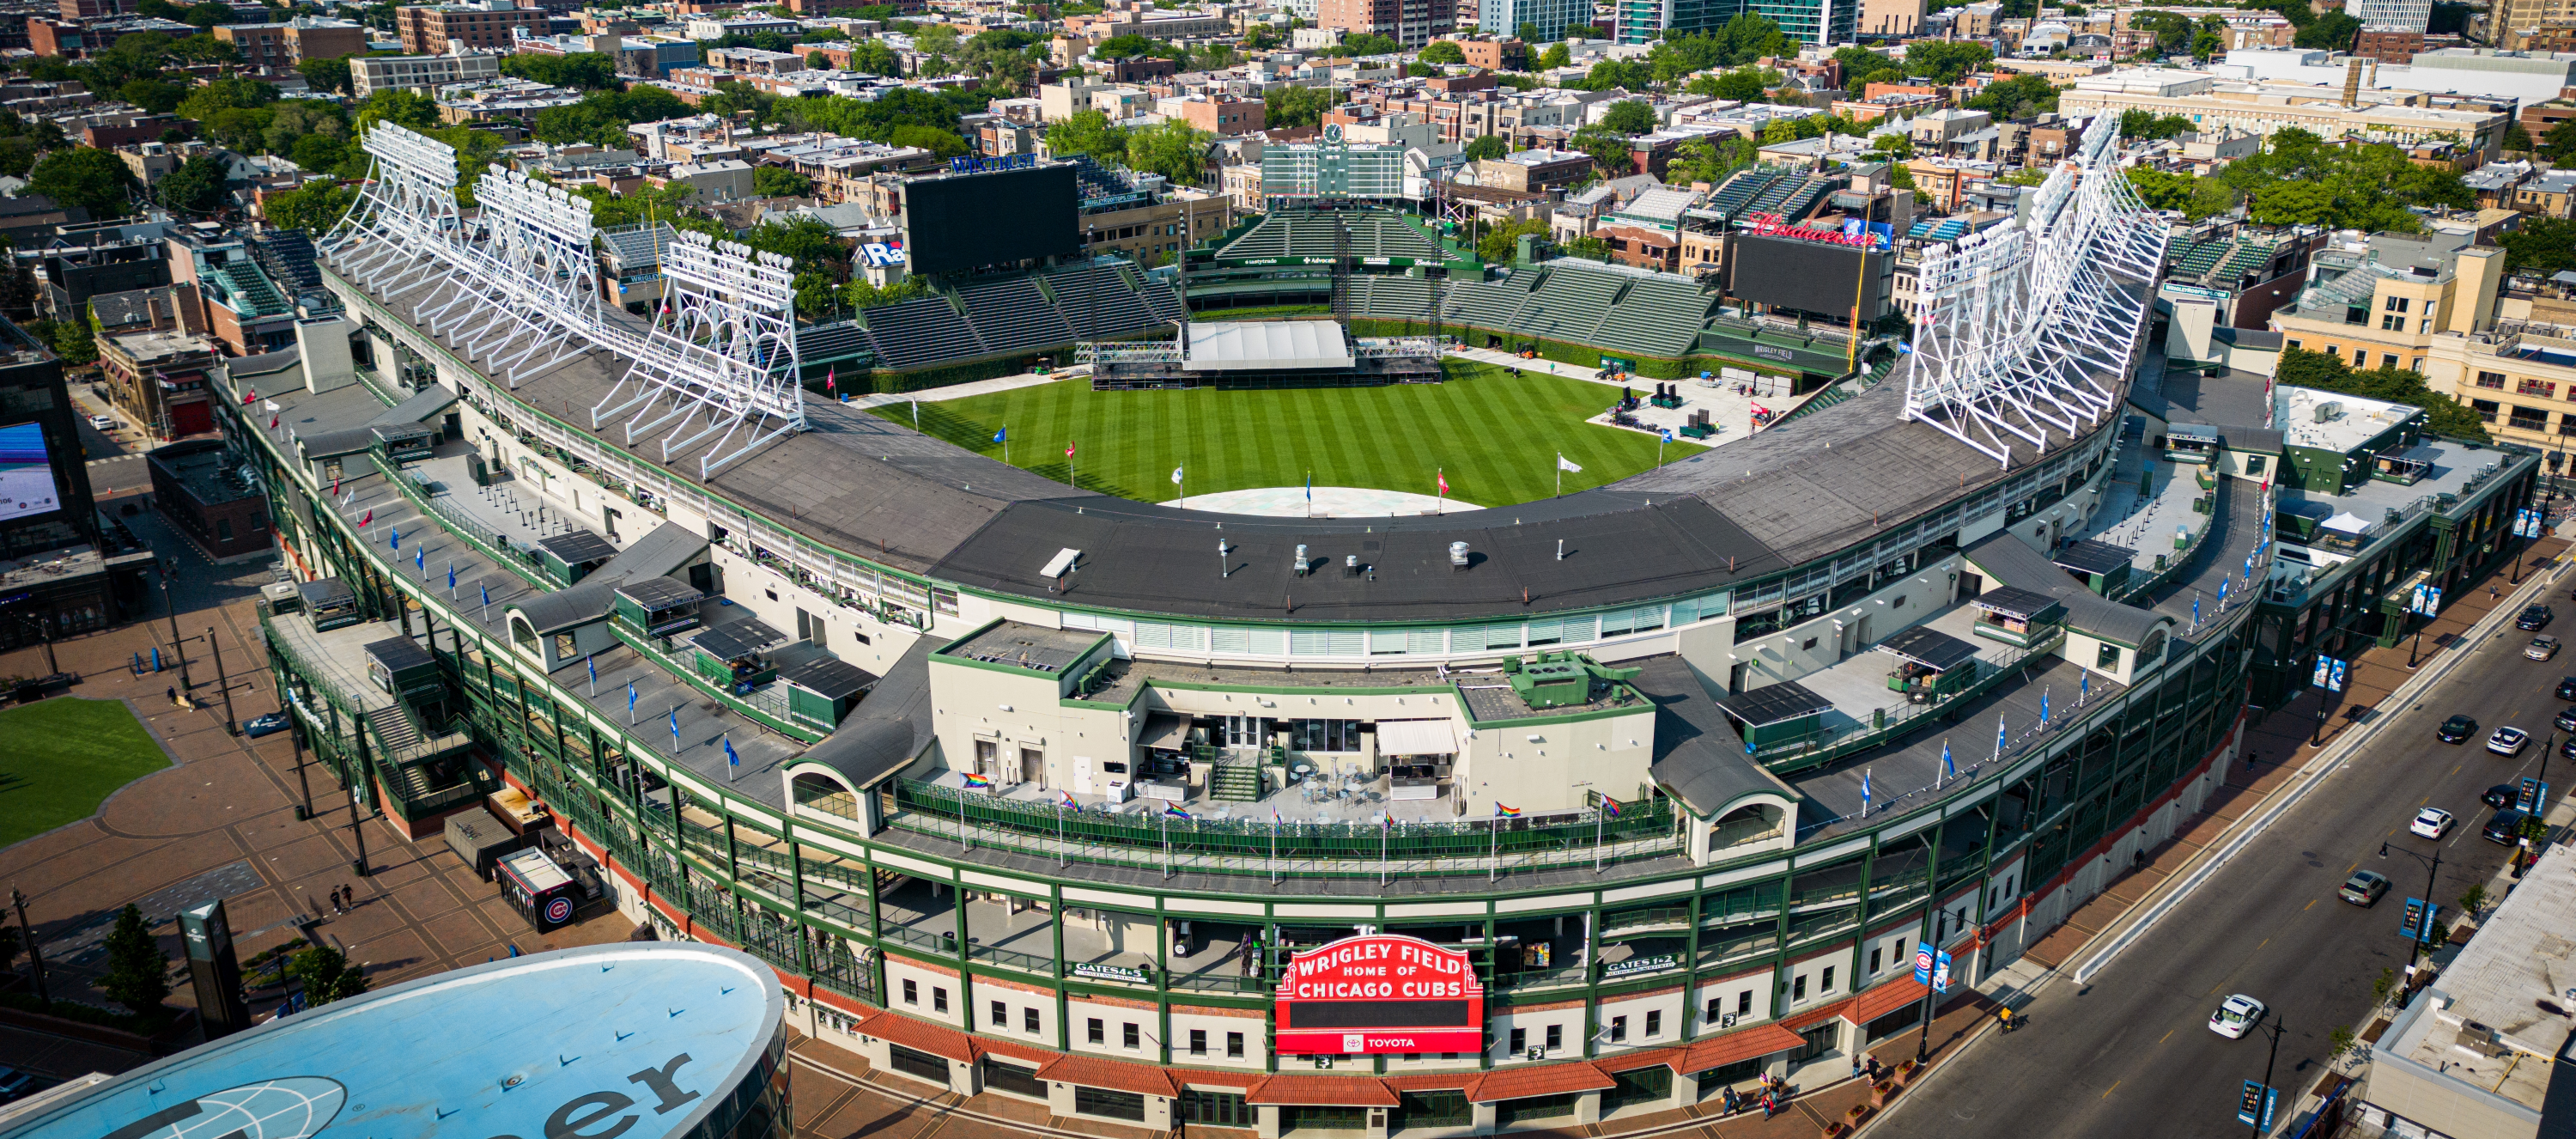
{"points": [[2533, 618], [2501, 795], [2456, 729], [2504, 827]]}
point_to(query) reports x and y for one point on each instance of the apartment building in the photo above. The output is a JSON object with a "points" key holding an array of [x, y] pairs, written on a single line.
{"points": [[429, 29], [274, 48], [2262, 108], [1412, 23], [370, 74], [2380, 303]]}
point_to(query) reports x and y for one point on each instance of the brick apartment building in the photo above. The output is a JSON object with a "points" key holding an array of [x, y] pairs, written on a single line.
{"points": [[279, 47], [202, 493], [1412, 23], [426, 29]]}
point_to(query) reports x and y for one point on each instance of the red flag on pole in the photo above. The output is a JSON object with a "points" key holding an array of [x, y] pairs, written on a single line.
{"points": [[252, 397], [1444, 482], [832, 381], [1068, 450], [371, 516], [272, 423], [335, 486]]}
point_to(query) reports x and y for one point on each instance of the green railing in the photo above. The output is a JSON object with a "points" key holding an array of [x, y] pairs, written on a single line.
{"points": [[1248, 846], [766, 704], [483, 538], [1822, 749]]}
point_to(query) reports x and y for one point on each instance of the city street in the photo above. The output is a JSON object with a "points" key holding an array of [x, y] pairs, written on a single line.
{"points": [[2131, 1052]]}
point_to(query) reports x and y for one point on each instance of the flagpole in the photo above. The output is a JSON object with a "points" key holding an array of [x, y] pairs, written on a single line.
{"points": [[1597, 817], [1063, 849], [1384, 827], [1274, 846], [963, 838], [1165, 815], [1494, 857]]}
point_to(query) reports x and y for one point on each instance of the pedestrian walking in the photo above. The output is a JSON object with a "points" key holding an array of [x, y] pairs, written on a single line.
{"points": [[1857, 1069], [349, 895], [174, 694], [335, 901], [2005, 1015]]}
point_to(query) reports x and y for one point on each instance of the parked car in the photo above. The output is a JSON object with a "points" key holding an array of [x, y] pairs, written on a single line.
{"points": [[103, 422], [2456, 730], [2431, 822], [2508, 740], [2363, 888], [2567, 688], [2566, 720], [16, 1085], [2533, 617], [2505, 827], [269, 724], [2501, 795], [2236, 1016], [2541, 647]]}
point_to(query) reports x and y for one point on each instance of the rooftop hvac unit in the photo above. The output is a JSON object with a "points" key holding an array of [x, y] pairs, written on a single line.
{"points": [[1300, 569], [1457, 555], [2327, 411]]}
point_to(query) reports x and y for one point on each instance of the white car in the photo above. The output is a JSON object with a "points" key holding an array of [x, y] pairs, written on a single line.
{"points": [[2508, 741], [2236, 1016], [2541, 647], [2431, 822], [103, 422]]}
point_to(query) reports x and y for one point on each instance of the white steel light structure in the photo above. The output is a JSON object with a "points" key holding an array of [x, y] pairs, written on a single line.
{"points": [[2028, 325], [721, 356], [524, 285], [397, 231]]}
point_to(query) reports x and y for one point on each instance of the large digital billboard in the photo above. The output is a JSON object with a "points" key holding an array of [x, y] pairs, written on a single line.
{"points": [[957, 222], [1380, 993], [1809, 276], [26, 473]]}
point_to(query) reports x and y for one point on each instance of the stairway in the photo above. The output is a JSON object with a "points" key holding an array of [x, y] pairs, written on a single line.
{"points": [[394, 731], [1238, 782]]}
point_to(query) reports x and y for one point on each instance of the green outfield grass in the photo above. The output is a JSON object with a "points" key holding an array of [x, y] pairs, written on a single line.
{"points": [[61, 758], [1496, 435]]}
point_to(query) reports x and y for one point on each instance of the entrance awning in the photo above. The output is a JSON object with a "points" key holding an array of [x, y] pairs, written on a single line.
{"points": [[1165, 730], [1416, 737]]}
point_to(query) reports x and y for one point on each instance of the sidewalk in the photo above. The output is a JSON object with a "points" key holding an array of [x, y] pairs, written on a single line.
{"points": [[992, 386]]}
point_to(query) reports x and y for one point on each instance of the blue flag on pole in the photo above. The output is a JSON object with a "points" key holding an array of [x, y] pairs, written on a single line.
{"points": [[394, 534], [630, 699], [487, 594], [420, 558], [998, 435], [451, 577], [1948, 769], [2043, 708], [675, 727], [731, 760], [1864, 791], [2001, 736], [593, 663]]}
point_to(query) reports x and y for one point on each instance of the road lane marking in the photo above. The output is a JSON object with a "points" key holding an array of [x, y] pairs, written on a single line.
{"points": [[2167, 1036], [2312, 904], [2115, 1086]]}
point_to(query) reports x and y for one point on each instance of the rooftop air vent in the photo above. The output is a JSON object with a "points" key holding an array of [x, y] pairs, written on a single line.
{"points": [[1457, 555]]}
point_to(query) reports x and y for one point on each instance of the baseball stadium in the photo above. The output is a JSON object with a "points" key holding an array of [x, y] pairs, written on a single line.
{"points": [[1643, 780]]}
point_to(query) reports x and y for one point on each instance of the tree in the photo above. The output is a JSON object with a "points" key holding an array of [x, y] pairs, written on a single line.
{"points": [[1701, 160], [94, 180], [401, 108], [1608, 148], [2147, 124], [1630, 117], [1444, 51], [780, 182], [2559, 144], [1501, 244], [1172, 148], [875, 58], [1744, 84], [196, 187], [313, 208], [2333, 31], [326, 975], [2206, 45], [138, 973], [1298, 106], [328, 74], [320, 153], [1948, 61], [292, 120], [1557, 55], [2543, 245], [580, 71], [76, 340], [1089, 131], [1627, 74], [1589, 248], [1488, 146]]}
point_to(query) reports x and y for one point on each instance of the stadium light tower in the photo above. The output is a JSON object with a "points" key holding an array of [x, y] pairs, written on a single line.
{"points": [[721, 360]]}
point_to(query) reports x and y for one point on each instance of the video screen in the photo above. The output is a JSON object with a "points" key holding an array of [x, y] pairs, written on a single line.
{"points": [[967, 221], [1809, 276], [26, 473]]}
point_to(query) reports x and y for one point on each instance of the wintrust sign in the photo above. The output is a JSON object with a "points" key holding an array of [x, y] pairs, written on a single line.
{"points": [[1380, 993]]}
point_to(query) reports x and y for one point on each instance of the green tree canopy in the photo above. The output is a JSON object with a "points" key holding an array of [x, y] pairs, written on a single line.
{"points": [[780, 182], [314, 208], [1743, 84], [327, 74], [2542, 244], [1627, 74], [2444, 415], [580, 71], [1298, 106], [94, 180], [138, 972], [1172, 148], [1089, 131], [1608, 148], [2333, 31], [196, 187], [156, 96], [1487, 146], [1947, 61], [1630, 117], [1443, 51], [326, 975]]}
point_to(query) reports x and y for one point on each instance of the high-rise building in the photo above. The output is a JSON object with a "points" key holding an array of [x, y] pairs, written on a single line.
{"points": [[1807, 21], [1550, 18], [1412, 23], [2392, 15]]}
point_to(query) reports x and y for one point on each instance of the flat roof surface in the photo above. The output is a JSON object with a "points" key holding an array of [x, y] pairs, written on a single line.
{"points": [[399, 653], [2093, 557], [829, 677], [1266, 344], [578, 546], [2349, 422], [659, 593], [2013, 601], [1775, 703], [738, 638], [1025, 646], [2503, 979], [563, 1025]]}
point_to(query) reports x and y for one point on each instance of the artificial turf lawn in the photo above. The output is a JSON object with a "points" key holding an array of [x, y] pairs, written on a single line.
{"points": [[61, 758], [1495, 435]]}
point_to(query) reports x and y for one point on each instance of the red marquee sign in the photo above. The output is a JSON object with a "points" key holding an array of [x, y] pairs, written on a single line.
{"points": [[1380, 993]]}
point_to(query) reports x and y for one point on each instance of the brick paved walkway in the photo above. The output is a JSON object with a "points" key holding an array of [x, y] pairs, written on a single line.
{"points": [[232, 800]]}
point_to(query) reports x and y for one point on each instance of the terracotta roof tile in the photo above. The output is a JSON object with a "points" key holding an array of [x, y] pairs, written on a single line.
{"points": [[1009, 1050], [920, 1036], [1631, 1061], [1323, 1091], [1453, 1081], [1737, 1047], [1241, 1081], [1814, 1017], [1538, 1080], [1094, 1072], [1886, 998]]}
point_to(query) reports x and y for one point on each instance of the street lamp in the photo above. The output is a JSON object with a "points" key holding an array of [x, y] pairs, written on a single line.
{"points": [[170, 569], [2275, 1030], [2432, 875]]}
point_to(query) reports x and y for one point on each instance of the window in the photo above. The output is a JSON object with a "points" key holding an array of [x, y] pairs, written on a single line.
{"points": [[1198, 1042], [565, 649], [1654, 1023], [1874, 952], [911, 992], [1520, 1040], [1001, 1015], [2542, 388], [2392, 324], [2361, 357], [2108, 658], [1798, 987], [1744, 1003], [1825, 981], [1098, 1035], [1234, 1046], [1107, 1104], [1555, 1037], [1618, 1029], [938, 999], [2396, 304], [1715, 1011], [1128, 1036], [2491, 379], [2254, 464], [2388, 359], [1029, 1019]]}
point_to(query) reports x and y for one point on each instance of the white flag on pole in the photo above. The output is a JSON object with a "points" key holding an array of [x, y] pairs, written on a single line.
{"points": [[1176, 476], [1566, 464]]}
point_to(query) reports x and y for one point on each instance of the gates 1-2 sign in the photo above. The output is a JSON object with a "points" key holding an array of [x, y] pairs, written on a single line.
{"points": [[1380, 993]]}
